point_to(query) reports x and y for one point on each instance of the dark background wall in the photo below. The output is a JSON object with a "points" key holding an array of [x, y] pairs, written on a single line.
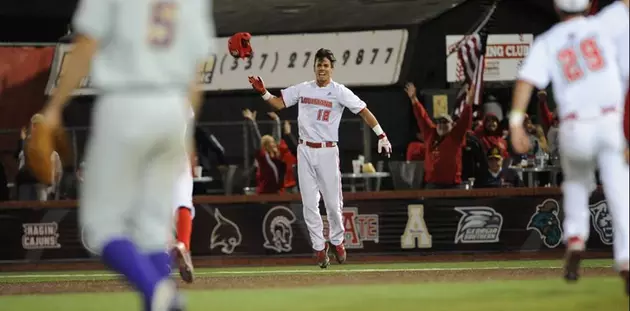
{"points": [[425, 65]]}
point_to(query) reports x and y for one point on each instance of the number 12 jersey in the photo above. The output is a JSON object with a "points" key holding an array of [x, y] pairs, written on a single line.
{"points": [[320, 108], [580, 57]]}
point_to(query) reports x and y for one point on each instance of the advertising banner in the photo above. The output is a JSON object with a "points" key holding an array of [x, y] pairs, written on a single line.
{"points": [[364, 58], [504, 56], [507, 224]]}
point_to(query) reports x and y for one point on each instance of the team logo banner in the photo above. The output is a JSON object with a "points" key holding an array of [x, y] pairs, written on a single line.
{"points": [[364, 58], [395, 226], [504, 57]]}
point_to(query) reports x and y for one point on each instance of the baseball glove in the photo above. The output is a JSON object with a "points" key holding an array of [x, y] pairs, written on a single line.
{"points": [[39, 149], [239, 45]]}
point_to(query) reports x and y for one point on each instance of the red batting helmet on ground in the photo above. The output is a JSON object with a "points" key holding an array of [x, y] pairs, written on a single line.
{"points": [[239, 45]]}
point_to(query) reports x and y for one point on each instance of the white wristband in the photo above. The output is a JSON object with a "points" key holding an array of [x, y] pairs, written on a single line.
{"points": [[267, 95], [378, 130], [516, 118]]}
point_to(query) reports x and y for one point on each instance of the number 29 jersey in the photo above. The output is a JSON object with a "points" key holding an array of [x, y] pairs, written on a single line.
{"points": [[146, 43], [580, 58], [320, 108]]}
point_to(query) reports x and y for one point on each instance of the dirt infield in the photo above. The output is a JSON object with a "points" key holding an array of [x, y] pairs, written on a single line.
{"points": [[299, 280], [232, 261]]}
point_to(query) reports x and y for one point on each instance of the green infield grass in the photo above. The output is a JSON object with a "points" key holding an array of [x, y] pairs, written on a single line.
{"points": [[589, 294]]}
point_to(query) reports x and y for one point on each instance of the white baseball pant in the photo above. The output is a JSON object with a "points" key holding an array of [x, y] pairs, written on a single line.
{"points": [[584, 145], [130, 168], [318, 171]]}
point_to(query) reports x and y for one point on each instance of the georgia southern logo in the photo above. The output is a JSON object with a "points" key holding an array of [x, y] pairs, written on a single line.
{"points": [[478, 224], [602, 221], [546, 222], [225, 233], [277, 229]]}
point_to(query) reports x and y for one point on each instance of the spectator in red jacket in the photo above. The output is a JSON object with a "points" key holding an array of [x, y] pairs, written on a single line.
{"points": [[443, 143], [491, 135], [271, 157]]}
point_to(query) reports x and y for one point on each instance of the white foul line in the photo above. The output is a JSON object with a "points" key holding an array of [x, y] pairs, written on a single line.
{"points": [[296, 271]]}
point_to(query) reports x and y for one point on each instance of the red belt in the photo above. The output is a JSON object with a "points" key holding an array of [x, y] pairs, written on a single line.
{"points": [[328, 144], [574, 115]]}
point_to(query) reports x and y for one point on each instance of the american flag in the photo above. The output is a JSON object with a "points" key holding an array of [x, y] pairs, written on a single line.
{"points": [[471, 54]]}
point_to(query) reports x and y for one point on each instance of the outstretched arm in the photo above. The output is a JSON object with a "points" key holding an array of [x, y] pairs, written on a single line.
{"points": [[546, 116], [276, 131], [251, 123], [259, 85], [533, 74], [351, 101], [425, 124]]}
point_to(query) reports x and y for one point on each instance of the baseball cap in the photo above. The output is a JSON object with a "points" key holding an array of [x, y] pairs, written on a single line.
{"points": [[494, 152], [572, 6]]}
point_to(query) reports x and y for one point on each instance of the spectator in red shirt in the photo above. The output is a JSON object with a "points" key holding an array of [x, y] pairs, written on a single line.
{"points": [[443, 143], [491, 135]]}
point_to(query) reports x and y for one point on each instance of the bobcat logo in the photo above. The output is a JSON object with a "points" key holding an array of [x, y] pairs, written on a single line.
{"points": [[277, 229], [602, 222], [546, 222], [225, 233]]}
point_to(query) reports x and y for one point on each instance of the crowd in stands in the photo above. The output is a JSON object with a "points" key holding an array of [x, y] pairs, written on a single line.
{"points": [[455, 152]]}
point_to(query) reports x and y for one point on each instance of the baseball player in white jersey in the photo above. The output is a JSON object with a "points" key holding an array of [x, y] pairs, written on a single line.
{"points": [[143, 57], [579, 57], [320, 105], [184, 209]]}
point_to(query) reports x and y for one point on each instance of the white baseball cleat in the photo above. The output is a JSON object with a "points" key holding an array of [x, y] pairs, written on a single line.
{"points": [[184, 261]]}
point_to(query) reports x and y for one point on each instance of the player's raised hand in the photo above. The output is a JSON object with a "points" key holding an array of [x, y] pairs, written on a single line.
{"points": [[258, 84], [384, 146]]}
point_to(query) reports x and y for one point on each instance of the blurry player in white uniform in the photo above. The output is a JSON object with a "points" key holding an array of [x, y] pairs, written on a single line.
{"points": [[579, 57], [143, 57], [320, 105], [184, 209]]}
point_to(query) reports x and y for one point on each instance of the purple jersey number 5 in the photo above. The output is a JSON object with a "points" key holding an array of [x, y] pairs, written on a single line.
{"points": [[162, 23]]}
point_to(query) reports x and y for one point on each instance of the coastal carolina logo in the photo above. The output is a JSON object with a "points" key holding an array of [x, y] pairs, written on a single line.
{"points": [[277, 230], [546, 222], [602, 221], [478, 224], [225, 234]]}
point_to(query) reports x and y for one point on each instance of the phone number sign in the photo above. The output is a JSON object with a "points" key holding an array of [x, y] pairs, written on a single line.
{"points": [[363, 58]]}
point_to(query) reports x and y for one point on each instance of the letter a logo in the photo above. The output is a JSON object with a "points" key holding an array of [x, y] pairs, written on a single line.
{"points": [[416, 234]]}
